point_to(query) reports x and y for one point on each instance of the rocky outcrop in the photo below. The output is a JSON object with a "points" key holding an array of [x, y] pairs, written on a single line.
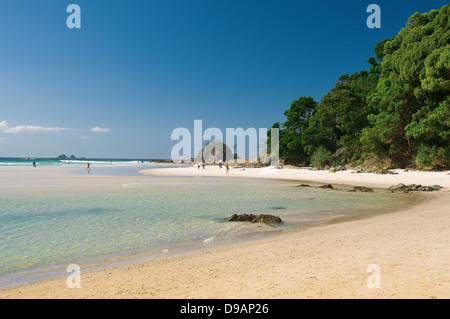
{"points": [[375, 171], [216, 151], [362, 189], [169, 161], [414, 187], [64, 157], [270, 220], [337, 169], [326, 186]]}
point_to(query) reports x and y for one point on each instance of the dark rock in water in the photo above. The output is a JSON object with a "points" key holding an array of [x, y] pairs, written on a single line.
{"points": [[436, 187], [267, 219], [326, 186], [363, 189], [241, 218], [303, 185], [64, 157], [270, 220]]}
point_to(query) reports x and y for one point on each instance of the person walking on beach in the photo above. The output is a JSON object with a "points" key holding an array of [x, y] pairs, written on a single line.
{"points": [[88, 167], [34, 164], [228, 168]]}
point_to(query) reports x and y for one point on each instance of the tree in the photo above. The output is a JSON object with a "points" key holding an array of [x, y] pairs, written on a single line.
{"points": [[375, 62], [411, 100], [340, 117], [398, 110], [297, 119]]}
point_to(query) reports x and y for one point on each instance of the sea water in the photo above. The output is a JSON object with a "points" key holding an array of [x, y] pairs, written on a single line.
{"points": [[75, 162], [48, 227]]}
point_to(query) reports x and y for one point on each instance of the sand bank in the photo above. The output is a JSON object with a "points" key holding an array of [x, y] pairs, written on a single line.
{"points": [[409, 249], [348, 177]]}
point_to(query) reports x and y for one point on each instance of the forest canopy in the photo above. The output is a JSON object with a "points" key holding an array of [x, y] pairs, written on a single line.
{"points": [[397, 112]]}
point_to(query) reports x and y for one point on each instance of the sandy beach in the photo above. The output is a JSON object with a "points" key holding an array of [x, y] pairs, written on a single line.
{"points": [[404, 254], [348, 177]]}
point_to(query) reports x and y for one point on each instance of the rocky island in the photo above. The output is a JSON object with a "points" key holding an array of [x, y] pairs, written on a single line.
{"points": [[71, 157]]}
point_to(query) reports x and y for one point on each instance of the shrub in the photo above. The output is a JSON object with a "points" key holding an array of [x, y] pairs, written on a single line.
{"points": [[431, 157], [320, 157]]}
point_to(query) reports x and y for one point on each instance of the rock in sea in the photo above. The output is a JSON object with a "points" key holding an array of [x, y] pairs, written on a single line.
{"points": [[363, 189], [270, 220]]}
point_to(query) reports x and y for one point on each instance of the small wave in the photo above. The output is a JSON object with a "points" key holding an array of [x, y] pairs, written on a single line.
{"points": [[209, 240], [131, 184], [94, 162]]}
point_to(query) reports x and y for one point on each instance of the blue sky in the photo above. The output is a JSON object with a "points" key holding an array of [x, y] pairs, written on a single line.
{"points": [[137, 70]]}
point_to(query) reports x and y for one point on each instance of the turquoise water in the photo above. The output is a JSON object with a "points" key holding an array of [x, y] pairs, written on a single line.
{"points": [[52, 226], [96, 162]]}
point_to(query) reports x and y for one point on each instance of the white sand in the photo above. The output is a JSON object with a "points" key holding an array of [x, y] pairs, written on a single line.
{"points": [[348, 177], [410, 247]]}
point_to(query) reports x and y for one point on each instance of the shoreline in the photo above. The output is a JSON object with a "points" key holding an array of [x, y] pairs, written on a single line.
{"points": [[348, 177], [216, 271]]}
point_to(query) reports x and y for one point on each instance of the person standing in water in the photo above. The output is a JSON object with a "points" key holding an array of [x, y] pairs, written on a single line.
{"points": [[88, 167]]}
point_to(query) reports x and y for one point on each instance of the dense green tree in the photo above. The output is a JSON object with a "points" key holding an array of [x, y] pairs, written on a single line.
{"points": [[297, 120], [411, 101], [340, 117], [398, 110], [375, 62]]}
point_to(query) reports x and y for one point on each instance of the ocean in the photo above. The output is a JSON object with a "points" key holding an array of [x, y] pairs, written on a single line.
{"points": [[46, 226], [99, 162]]}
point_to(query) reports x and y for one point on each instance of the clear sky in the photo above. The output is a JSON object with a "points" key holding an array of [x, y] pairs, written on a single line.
{"points": [[138, 69]]}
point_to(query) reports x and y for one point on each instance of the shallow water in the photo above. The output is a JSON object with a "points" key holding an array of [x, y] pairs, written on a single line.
{"points": [[47, 226]]}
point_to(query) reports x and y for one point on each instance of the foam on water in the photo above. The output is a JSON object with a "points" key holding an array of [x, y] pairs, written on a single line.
{"points": [[95, 162]]}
